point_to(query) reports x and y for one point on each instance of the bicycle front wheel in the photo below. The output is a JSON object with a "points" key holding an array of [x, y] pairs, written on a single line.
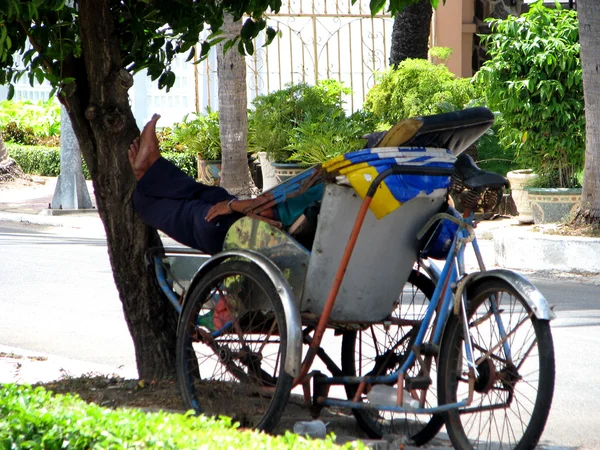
{"points": [[231, 347], [381, 349], [513, 389]]}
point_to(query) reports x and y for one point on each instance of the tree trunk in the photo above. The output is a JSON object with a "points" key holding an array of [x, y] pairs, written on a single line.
{"points": [[410, 34], [589, 38], [102, 120], [9, 169], [233, 114]]}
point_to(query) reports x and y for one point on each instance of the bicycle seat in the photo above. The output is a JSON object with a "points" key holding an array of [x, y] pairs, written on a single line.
{"points": [[475, 178], [455, 131]]}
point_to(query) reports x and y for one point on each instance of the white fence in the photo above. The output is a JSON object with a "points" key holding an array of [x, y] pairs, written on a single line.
{"points": [[318, 40]]}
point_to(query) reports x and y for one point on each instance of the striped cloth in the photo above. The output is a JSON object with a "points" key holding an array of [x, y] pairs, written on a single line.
{"points": [[360, 168]]}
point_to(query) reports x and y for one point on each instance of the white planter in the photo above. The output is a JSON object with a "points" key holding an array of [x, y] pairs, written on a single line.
{"points": [[269, 177], [519, 180]]}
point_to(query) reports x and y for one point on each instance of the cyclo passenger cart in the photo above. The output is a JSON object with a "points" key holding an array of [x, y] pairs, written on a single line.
{"points": [[423, 344]]}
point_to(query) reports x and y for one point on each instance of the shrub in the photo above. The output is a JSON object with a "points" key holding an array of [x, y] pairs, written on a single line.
{"points": [[417, 88], [36, 419], [320, 138], [534, 80], [185, 161], [198, 134], [37, 160], [29, 122], [278, 113], [492, 156], [45, 161]]}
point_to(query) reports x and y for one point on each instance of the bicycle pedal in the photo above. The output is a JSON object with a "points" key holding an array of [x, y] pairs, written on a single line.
{"points": [[429, 349], [418, 382]]}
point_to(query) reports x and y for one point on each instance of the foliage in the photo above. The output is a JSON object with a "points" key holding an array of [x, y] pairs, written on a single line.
{"points": [[198, 134], [442, 54], [35, 419], [534, 79], [185, 161], [492, 156], [320, 138], [30, 123], [278, 113], [45, 161], [417, 87], [144, 40], [37, 160]]}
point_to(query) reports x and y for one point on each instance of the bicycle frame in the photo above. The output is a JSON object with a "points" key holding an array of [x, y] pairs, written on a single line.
{"points": [[443, 295]]}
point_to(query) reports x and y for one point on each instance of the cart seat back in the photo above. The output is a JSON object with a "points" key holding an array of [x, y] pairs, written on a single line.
{"points": [[455, 131]]}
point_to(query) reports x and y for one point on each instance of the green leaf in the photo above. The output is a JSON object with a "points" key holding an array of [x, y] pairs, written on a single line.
{"points": [[376, 6]]}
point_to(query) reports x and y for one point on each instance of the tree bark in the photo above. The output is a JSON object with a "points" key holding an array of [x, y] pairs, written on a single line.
{"points": [[233, 114], [589, 38], [410, 33], [104, 125]]}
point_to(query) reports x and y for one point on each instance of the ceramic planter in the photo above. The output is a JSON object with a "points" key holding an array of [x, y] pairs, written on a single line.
{"points": [[209, 172], [519, 179], [553, 204], [285, 171]]}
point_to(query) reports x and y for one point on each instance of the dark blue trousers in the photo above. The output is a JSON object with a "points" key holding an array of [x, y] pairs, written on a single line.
{"points": [[173, 202]]}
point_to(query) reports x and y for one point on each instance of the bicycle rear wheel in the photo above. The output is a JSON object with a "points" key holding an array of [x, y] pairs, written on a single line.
{"points": [[231, 347], [515, 382], [381, 349]]}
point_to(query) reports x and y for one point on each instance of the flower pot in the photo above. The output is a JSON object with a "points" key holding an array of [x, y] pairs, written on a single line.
{"points": [[209, 172], [269, 178], [519, 179], [553, 204], [285, 171]]}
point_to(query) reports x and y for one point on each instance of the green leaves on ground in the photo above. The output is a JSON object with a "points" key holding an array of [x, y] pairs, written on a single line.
{"points": [[37, 419]]}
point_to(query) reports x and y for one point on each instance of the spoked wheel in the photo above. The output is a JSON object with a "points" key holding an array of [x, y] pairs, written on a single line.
{"points": [[381, 350], [231, 347], [515, 381]]}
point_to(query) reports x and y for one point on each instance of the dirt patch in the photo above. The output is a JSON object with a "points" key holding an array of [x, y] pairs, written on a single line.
{"points": [[577, 230], [116, 392]]}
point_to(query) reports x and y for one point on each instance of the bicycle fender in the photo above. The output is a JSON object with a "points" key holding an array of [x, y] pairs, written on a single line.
{"points": [[293, 322], [534, 298]]}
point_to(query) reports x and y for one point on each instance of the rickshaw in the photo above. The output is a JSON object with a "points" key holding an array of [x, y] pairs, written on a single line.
{"points": [[378, 261]]}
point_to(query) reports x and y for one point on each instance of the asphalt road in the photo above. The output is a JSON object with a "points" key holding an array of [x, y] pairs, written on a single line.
{"points": [[58, 297]]}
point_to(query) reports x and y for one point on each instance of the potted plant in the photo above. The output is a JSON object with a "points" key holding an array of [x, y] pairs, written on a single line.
{"points": [[276, 115], [199, 134], [533, 79], [322, 137]]}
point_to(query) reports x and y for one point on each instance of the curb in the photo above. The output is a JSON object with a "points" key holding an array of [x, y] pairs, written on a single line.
{"points": [[527, 250], [75, 219]]}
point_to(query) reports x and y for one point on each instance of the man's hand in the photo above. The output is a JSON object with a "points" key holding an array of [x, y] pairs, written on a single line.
{"points": [[220, 209]]}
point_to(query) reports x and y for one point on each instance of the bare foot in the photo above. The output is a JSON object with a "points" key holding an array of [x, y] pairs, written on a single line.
{"points": [[144, 151]]}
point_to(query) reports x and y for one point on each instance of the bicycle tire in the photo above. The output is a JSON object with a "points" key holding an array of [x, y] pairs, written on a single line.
{"points": [[505, 383], [239, 373], [420, 429]]}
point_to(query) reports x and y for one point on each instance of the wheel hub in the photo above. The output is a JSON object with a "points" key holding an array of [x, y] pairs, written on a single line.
{"points": [[224, 355], [487, 376]]}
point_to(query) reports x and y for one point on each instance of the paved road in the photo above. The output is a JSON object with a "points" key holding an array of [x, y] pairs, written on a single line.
{"points": [[59, 298]]}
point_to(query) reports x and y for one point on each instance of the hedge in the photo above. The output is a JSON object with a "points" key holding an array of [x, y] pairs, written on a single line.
{"points": [[45, 161], [37, 419]]}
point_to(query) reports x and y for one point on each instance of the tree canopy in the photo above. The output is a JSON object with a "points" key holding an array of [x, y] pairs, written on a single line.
{"points": [[46, 35]]}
